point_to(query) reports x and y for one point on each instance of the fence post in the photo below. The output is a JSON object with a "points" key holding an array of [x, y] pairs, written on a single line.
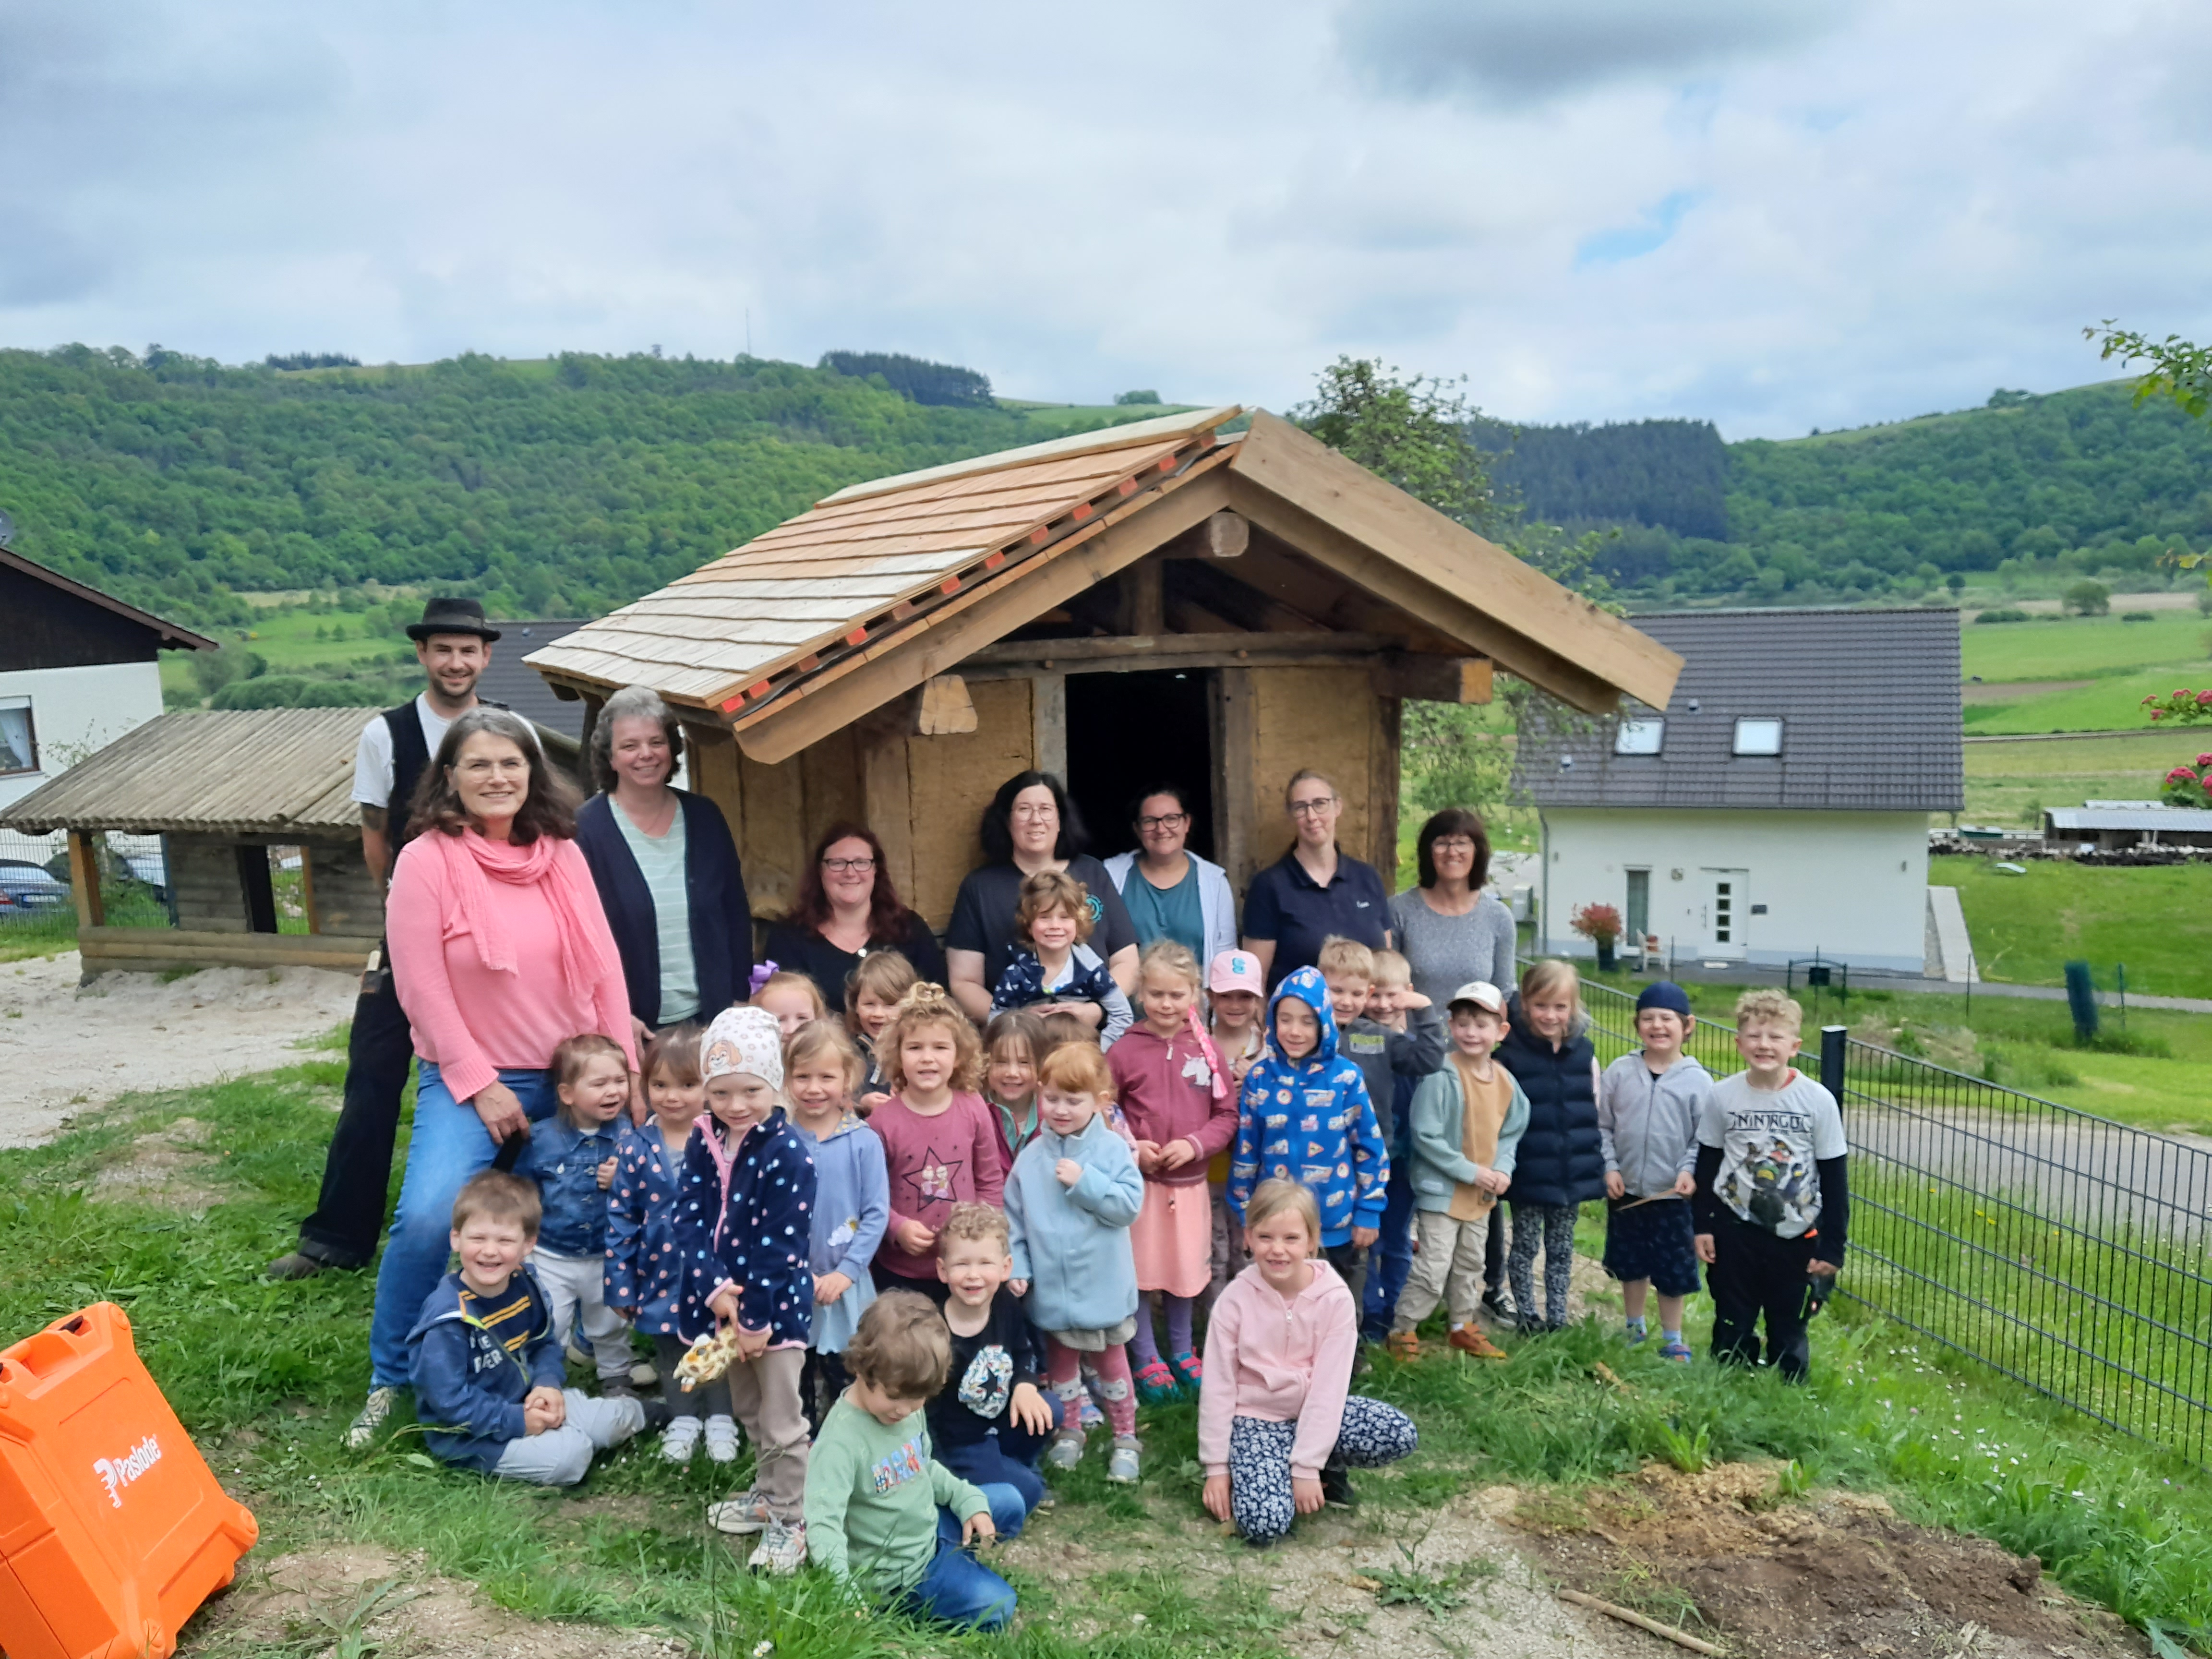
{"points": [[1832, 1041]]}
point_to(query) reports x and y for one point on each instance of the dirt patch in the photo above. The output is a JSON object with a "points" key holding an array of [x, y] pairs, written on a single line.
{"points": [[64, 1050], [2012, 690], [397, 1609], [173, 1168], [1724, 1555]]}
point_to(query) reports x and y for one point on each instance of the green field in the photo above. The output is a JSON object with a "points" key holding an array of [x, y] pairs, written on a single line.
{"points": [[2026, 927], [2078, 674], [2011, 783]]}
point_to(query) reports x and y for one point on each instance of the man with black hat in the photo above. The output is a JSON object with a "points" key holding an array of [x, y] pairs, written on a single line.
{"points": [[453, 644]]}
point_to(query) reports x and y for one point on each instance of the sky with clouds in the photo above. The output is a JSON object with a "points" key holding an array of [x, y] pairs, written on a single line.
{"points": [[1774, 214]]}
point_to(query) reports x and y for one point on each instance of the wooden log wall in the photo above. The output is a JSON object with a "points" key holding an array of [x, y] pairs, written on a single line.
{"points": [[204, 886], [346, 901]]}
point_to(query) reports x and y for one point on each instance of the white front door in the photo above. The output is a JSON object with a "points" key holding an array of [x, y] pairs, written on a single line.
{"points": [[1727, 910]]}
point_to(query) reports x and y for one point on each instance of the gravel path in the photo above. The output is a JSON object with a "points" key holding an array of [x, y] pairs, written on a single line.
{"points": [[64, 1050]]}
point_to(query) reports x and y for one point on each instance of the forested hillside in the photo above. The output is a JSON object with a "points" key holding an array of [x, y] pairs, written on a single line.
{"points": [[2032, 489], [560, 486]]}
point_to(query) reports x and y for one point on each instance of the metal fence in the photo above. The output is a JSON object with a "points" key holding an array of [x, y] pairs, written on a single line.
{"points": [[36, 907], [2062, 1248]]}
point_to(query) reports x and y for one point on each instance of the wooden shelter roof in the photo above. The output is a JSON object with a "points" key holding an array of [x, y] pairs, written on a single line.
{"points": [[885, 584], [261, 771]]}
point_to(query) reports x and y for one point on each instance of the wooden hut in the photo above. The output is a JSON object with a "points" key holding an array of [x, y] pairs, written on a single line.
{"points": [[221, 788], [1160, 599]]}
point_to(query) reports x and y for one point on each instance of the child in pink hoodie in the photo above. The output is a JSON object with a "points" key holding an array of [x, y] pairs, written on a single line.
{"points": [[1278, 1429]]}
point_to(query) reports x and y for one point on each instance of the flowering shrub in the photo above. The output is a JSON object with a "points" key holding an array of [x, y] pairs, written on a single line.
{"points": [[2182, 706], [1598, 923]]}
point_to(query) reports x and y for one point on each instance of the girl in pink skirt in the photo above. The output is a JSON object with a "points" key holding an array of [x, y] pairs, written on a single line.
{"points": [[1181, 1110]]}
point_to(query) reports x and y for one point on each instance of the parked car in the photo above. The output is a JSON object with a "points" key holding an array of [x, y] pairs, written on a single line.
{"points": [[27, 890]]}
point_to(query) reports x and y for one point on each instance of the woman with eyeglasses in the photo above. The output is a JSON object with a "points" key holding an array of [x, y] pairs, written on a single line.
{"points": [[1169, 890], [1031, 825], [847, 907], [666, 870], [1314, 889]]}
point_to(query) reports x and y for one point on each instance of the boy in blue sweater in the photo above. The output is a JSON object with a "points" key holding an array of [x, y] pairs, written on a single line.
{"points": [[486, 1364]]}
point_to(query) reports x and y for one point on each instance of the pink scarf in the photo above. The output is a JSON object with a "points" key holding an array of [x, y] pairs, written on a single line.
{"points": [[472, 864]]}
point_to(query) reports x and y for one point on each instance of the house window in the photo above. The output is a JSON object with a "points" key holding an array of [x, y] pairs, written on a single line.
{"points": [[19, 741], [1639, 737], [1759, 736]]}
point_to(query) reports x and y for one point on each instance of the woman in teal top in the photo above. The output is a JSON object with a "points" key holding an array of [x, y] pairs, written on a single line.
{"points": [[1169, 891]]}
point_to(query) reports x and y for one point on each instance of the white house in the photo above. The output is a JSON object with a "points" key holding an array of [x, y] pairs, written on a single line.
{"points": [[1778, 807], [77, 670]]}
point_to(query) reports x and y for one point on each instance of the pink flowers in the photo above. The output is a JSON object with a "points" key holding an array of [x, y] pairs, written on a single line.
{"points": [[2203, 761], [2181, 775], [2204, 699]]}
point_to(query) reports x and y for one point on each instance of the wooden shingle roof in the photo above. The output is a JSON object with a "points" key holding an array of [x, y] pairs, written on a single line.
{"points": [[261, 771]]}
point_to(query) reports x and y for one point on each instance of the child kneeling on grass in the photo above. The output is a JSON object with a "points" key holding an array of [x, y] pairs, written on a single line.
{"points": [[1277, 1428], [486, 1362], [881, 1512], [1467, 1120], [1773, 1191]]}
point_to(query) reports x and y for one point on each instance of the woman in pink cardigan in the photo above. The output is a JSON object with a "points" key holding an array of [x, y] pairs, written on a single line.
{"points": [[500, 951], [1277, 1427]]}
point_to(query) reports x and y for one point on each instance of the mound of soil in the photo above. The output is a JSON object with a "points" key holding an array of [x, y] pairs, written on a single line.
{"points": [[1836, 1574]]}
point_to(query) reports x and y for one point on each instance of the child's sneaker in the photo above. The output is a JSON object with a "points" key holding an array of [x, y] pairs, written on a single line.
{"points": [[1637, 1331], [1405, 1345], [1087, 1414], [1497, 1302], [1156, 1383], [360, 1433], [680, 1439], [616, 1387], [1121, 1463], [722, 1438], [577, 1355], [746, 1512], [1066, 1450], [1336, 1488], [1190, 1370], [1471, 1341], [643, 1376], [1675, 1350], [782, 1551]]}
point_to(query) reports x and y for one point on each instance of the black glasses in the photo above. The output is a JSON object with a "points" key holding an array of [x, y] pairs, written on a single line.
{"points": [[1165, 821], [854, 866]]}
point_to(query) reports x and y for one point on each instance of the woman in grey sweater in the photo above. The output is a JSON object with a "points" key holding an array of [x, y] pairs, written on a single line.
{"points": [[1449, 929]]}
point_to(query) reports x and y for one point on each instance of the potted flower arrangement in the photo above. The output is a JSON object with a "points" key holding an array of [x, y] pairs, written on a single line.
{"points": [[1601, 925]]}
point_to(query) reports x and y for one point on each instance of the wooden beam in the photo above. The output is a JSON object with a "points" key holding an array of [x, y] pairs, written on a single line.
{"points": [[943, 708], [1147, 605], [1143, 648], [1248, 606], [84, 880], [1048, 723], [1382, 750], [886, 794], [307, 891], [1226, 535], [946, 636], [1434, 679], [1236, 742], [1403, 550]]}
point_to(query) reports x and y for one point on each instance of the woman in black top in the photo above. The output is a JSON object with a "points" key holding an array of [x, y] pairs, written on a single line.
{"points": [[1030, 825], [1315, 890], [847, 907]]}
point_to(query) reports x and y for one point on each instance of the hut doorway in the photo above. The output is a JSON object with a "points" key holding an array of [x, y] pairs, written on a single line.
{"points": [[1127, 730]]}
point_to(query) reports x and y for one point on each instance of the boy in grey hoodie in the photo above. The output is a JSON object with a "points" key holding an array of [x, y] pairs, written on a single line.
{"points": [[1648, 1106]]}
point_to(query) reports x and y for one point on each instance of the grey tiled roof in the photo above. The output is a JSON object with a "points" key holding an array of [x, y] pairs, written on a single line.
{"points": [[521, 687], [1868, 702]]}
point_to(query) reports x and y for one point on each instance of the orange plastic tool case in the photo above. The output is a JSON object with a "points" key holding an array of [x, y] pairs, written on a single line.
{"points": [[112, 1529]]}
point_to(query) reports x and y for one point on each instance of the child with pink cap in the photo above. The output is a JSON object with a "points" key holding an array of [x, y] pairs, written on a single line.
{"points": [[1238, 985]]}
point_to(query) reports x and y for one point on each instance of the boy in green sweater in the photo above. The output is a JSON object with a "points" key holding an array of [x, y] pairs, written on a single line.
{"points": [[880, 1511]]}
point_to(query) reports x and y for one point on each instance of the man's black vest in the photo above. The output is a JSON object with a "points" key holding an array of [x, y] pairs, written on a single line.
{"points": [[410, 759]]}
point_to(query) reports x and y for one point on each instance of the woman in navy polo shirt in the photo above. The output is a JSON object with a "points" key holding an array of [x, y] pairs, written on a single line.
{"points": [[1314, 889]]}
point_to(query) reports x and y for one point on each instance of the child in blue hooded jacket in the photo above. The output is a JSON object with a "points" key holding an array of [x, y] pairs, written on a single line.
{"points": [[1306, 1116]]}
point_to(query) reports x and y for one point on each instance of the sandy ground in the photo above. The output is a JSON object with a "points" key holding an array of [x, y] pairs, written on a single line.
{"points": [[62, 1049]]}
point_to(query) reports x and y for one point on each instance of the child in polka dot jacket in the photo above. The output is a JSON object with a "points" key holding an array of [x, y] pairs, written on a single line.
{"points": [[744, 1222]]}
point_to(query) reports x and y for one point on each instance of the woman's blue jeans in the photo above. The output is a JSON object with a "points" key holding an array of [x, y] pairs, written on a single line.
{"points": [[448, 1144]]}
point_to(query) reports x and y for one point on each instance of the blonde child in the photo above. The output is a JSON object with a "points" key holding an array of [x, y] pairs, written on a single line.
{"points": [[1647, 1107], [872, 991], [743, 1223], [990, 1421], [1561, 1161], [1466, 1125], [940, 1139], [1070, 1200], [1013, 1043], [572, 1160], [1774, 1196], [1182, 1111], [645, 1270], [852, 1201], [793, 999], [1238, 988], [1277, 1427], [1057, 968]]}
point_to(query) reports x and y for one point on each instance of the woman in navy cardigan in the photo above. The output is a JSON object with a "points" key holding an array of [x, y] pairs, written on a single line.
{"points": [[666, 870]]}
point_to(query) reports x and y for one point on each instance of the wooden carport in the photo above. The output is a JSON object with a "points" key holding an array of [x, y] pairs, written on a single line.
{"points": [[897, 651]]}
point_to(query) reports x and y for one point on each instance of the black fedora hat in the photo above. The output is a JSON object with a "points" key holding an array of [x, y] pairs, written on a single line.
{"points": [[453, 616]]}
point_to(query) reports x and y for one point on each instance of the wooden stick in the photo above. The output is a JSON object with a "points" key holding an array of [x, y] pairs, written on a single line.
{"points": [[1681, 1638]]}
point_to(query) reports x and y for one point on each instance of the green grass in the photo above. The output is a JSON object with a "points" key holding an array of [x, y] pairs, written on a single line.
{"points": [[2076, 648], [2011, 783], [2026, 927], [2113, 703], [265, 1375]]}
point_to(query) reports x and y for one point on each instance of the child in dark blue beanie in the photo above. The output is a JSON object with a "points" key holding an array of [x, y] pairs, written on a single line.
{"points": [[1648, 1105]]}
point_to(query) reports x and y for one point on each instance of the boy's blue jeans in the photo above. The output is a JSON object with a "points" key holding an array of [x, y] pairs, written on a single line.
{"points": [[956, 1588], [448, 1144], [1392, 1259]]}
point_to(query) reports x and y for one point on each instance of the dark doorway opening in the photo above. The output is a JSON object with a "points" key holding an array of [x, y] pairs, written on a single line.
{"points": [[1126, 732]]}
